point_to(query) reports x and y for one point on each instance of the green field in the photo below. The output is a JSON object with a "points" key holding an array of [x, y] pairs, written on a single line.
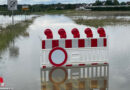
{"points": [[83, 12], [102, 22]]}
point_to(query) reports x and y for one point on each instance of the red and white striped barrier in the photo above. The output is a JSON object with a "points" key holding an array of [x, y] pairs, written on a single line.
{"points": [[78, 65], [74, 43], [2, 82], [59, 52]]}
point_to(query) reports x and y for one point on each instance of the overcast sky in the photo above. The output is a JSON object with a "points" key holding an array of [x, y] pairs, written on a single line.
{"points": [[52, 1]]}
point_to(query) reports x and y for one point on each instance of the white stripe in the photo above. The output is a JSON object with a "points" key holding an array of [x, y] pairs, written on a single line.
{"points": [[2, 85], [62, 43], [48, 44], [100, 42], [74, 43], [87, 42]]}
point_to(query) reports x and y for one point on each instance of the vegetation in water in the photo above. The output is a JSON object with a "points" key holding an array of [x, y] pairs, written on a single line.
{"points": [[9, 33], [101, 22]]}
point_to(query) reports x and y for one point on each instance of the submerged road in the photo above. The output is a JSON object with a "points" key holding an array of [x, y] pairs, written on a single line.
{"points": [[21, 70]]}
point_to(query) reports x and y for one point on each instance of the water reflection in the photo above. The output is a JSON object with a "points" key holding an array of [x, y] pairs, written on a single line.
{"points": [[7, 20], [75, 78], [14, 51], [25, 34]]}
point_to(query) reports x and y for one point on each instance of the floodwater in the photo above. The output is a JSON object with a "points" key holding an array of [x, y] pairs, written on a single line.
{"points": [[21, 70], [100, 17], [7, 20]]}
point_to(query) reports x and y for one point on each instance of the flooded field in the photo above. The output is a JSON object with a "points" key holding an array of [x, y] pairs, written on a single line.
{"points": [[7, 20], [100, 17], [20, 62]]}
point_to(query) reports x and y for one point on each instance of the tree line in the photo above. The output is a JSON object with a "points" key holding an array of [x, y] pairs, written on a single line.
{"points": [[109, 2], [42, 7], [59, 6], [38, 8]]}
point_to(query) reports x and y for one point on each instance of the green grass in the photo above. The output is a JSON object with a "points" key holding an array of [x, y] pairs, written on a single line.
{"points": [[99, 22], [72, 12], [9, 33], [52, 12], [102, 22], [97, 13], [85, 13]]}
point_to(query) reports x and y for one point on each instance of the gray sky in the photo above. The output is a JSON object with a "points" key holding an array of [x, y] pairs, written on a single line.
{"points": [[52, 1]]}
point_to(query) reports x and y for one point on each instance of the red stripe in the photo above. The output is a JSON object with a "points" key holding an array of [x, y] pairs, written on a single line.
{"points": [[81, 43], [1, 80], [43, 66], [93, 42], [105, 63], [69, 65], [105, 42], [55, 43], [68, 43], [82, 64], [43, 44], [94, 63]]}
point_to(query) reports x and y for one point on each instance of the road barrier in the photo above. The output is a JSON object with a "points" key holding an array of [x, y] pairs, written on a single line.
{"points": [[2, 82], [76, 51]]}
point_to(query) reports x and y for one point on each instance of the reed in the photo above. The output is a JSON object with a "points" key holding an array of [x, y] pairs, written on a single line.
{"points": [[8, 34], [101, 22]]}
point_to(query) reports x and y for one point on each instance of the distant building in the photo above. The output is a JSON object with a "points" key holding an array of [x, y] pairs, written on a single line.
{"points": [[91, 4], [80, 8], [128, 3], [103, 2]]}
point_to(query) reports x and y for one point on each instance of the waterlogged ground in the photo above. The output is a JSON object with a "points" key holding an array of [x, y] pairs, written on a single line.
{"points": [[7, 20], [20, 63], [100, 17], [100, 21]]}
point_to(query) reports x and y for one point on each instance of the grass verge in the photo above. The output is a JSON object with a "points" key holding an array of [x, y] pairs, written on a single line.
{"points": [[85, 13], [52, 12], [9, 33], [101, 22]]}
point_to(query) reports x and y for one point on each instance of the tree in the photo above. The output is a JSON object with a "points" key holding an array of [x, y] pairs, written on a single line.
{"points": [[116, 2], [109, 2], [123, 3], [97, 3]]}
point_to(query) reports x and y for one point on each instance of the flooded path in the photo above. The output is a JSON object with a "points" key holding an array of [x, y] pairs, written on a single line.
{"points": [[22, 69], [7, 20]]}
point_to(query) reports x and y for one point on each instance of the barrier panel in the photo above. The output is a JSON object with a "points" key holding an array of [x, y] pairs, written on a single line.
{"points": [[2, 85], [88, 77], [74, 56], [65, 52], [2, 82]]}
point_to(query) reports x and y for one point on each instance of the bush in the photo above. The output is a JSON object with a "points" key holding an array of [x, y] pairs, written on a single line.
{"points": [[110, 8]]}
